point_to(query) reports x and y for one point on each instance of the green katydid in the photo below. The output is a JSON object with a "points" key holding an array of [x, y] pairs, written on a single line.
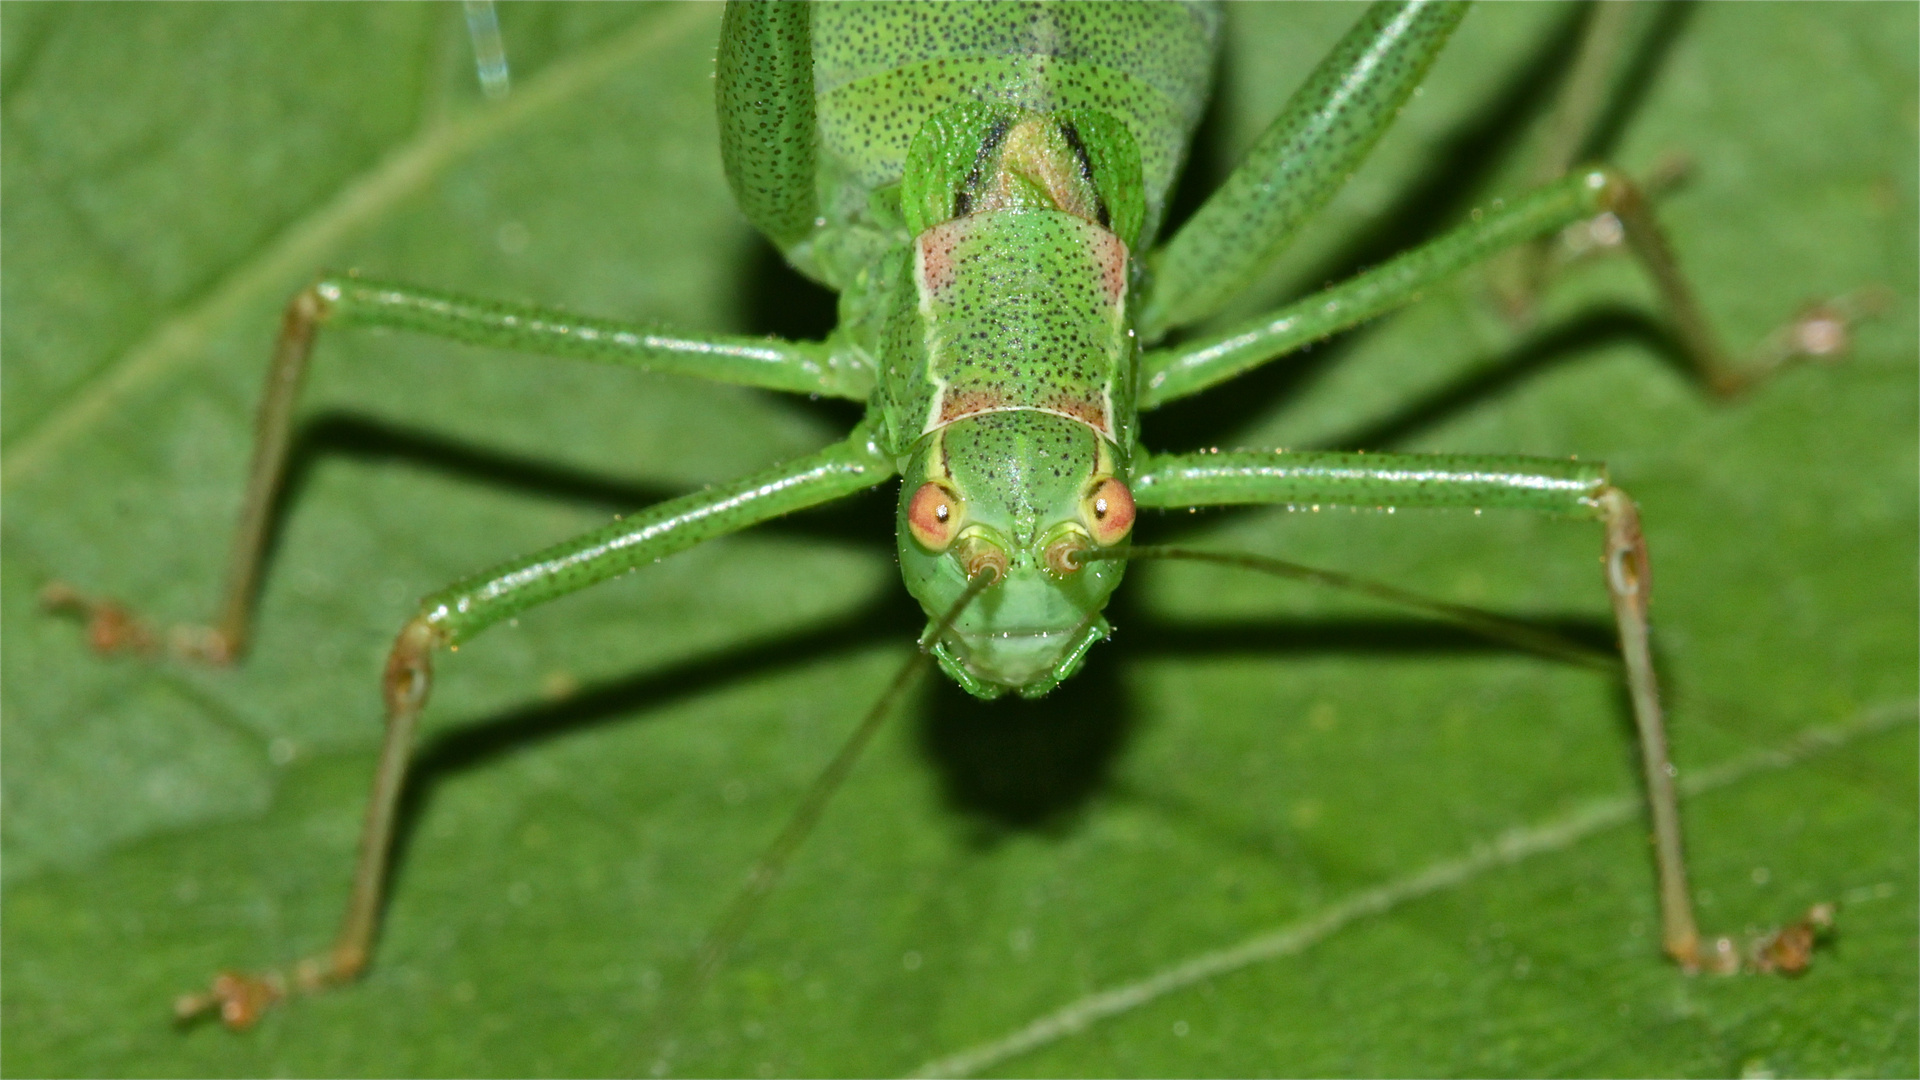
{"points": [[927, 230]]}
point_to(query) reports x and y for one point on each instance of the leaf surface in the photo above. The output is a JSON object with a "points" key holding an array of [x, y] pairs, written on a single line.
{"points": [[1243, 757]]}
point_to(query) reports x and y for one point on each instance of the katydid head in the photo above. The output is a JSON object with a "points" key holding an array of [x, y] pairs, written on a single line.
{"points": [[1022, 496]]}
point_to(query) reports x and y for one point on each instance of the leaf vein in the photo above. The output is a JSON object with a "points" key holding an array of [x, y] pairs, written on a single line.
{"points": [[304, 245], [1508, 848]]}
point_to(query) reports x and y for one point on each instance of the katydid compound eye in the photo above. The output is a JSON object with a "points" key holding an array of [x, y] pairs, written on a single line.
{"points": [[1108, 512], [933, 516]]}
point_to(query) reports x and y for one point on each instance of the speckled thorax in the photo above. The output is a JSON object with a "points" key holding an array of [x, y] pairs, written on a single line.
{"points": [[1022, 309], [1017, 298]]}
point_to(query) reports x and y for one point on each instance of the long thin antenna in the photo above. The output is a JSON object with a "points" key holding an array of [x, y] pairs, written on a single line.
{"points": [[768, 868], [1485, 623]]}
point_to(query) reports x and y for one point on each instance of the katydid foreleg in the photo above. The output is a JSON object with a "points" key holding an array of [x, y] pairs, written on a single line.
{"points": [[457, 613], [1570, 488], [454, 614], [1319, 137]]}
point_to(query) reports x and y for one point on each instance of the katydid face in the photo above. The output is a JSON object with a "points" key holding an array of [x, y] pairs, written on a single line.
{"points": [[1010, 365], [1018, 494]]}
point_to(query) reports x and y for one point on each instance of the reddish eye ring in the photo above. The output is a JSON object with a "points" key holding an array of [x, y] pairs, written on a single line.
{"points": [[934, 516], [1108, 511]]}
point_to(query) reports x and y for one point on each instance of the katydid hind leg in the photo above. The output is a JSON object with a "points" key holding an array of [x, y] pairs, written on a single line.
{"points": [[1325, 130], [764, 78], [1821, 332], [1585, 110], [1565, 488]]}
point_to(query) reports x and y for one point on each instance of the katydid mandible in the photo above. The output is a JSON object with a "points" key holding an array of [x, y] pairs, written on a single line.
{"points": [[984, 186]]}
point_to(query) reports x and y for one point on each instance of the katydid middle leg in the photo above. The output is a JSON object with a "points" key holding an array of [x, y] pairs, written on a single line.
{"points": [[1322, 134], [1569, 488], [349, 300], [1173, 373], [457, 613]]}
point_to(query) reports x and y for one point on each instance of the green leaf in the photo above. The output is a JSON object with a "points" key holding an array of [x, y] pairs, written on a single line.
{"points": [[1244, 759]]}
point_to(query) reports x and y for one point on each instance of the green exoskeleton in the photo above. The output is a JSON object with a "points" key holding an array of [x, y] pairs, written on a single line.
{"points": [[984, 186]]}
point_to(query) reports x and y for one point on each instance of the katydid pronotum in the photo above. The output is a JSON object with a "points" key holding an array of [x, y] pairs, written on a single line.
{"points": [[1051, 170]]}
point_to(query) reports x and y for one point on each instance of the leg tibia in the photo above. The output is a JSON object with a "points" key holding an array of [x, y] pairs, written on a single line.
{"points": [[1821, 332], [272, 438], [240, 999], [1629, 585], [112, 628], [464, 610]]}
